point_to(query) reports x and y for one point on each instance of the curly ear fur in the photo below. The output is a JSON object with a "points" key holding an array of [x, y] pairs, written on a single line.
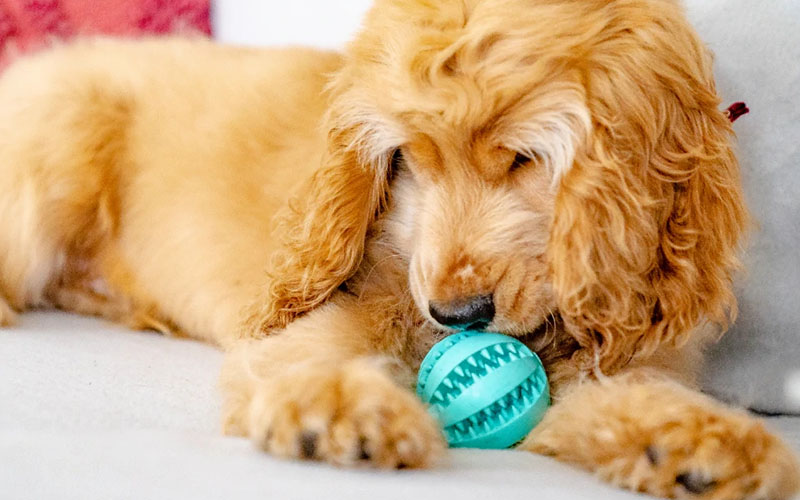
{"points": [[649, 219], [323, 228]]}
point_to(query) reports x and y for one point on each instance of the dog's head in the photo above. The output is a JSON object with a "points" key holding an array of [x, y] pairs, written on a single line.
{"points": [[547, 155]]}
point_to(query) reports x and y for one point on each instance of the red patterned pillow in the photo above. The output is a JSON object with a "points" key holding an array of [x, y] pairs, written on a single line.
{"points": [[29, 24]]}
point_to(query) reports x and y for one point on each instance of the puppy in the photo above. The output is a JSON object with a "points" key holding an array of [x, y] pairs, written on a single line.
{"points": [[556, 170]]}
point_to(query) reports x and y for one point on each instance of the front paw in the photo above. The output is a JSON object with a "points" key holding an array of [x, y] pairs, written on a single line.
{"points": [[347, 415], [668, 441], [719, 455]]}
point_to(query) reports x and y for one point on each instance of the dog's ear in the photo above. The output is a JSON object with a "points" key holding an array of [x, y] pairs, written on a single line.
{"points": [[649, 219], [324, 227]]}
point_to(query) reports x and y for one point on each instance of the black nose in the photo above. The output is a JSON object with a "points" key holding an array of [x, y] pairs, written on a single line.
{"points": [[474, 312]]}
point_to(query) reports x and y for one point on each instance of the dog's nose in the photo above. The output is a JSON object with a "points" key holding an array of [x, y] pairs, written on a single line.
{"points": [[473, 313]]}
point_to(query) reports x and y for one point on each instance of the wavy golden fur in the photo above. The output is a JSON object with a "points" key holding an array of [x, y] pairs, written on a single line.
{"points": [[555, 170]]}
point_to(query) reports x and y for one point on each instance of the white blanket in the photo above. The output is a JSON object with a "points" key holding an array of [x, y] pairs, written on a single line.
{"points": [[90, 411]]}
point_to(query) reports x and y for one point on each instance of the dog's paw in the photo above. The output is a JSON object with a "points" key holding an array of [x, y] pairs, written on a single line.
{"points": [[714, 455], [665, 440], [349, 415]]}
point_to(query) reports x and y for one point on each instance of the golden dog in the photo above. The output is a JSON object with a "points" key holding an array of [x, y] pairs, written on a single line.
{"points": [[557, 170]]}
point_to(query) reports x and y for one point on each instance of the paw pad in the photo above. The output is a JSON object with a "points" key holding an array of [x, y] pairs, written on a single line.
{"points": [[695, 482]]}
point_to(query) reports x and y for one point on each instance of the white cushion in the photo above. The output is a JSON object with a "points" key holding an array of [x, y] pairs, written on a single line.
{"points": [[92, 411]]}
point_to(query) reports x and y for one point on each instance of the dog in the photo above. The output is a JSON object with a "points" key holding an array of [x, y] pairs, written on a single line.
{"points": [[555, 170]]}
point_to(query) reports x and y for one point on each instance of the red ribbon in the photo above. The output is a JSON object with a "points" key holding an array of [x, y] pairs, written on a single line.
{"points": [[736, 110]]}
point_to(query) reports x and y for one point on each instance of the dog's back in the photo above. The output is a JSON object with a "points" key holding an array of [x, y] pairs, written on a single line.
{"points": [[139, 178]]}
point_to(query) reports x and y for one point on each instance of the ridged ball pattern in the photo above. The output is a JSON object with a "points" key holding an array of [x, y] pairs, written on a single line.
{"points": [[488, 390]]}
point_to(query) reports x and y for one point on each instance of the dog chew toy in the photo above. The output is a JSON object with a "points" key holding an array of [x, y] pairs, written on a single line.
{"points": [[486, 389]]}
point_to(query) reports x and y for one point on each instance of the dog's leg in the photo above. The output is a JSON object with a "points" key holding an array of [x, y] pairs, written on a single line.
{"points": [[7, 315], [330, 388], [60, 142], [658, 437]]}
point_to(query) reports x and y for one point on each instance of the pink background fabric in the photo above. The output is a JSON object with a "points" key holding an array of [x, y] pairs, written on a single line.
{"points": [[30, 24]]}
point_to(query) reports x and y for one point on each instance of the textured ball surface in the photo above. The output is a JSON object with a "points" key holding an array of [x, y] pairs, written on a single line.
{"points": [[488, 390]]}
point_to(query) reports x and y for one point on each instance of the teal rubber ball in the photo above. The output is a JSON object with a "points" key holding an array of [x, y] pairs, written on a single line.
{"points": [[488, 390]]}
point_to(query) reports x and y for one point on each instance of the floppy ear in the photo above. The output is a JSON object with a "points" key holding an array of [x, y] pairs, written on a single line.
{"points": [[324, 227], [649, 218]]}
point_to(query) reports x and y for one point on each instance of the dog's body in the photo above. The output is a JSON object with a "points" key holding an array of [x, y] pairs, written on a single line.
{"points": [[117, 210], [555, 170]]}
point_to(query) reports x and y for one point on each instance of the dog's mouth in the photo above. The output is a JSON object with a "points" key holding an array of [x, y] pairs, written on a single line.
{"points": [[479, 326], [541, 339], [545, 335], [544, 329]]}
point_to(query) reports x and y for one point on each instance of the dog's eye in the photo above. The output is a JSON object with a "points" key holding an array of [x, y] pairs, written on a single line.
{"points": [[396, 163], [397, 160], [520, 161]]}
